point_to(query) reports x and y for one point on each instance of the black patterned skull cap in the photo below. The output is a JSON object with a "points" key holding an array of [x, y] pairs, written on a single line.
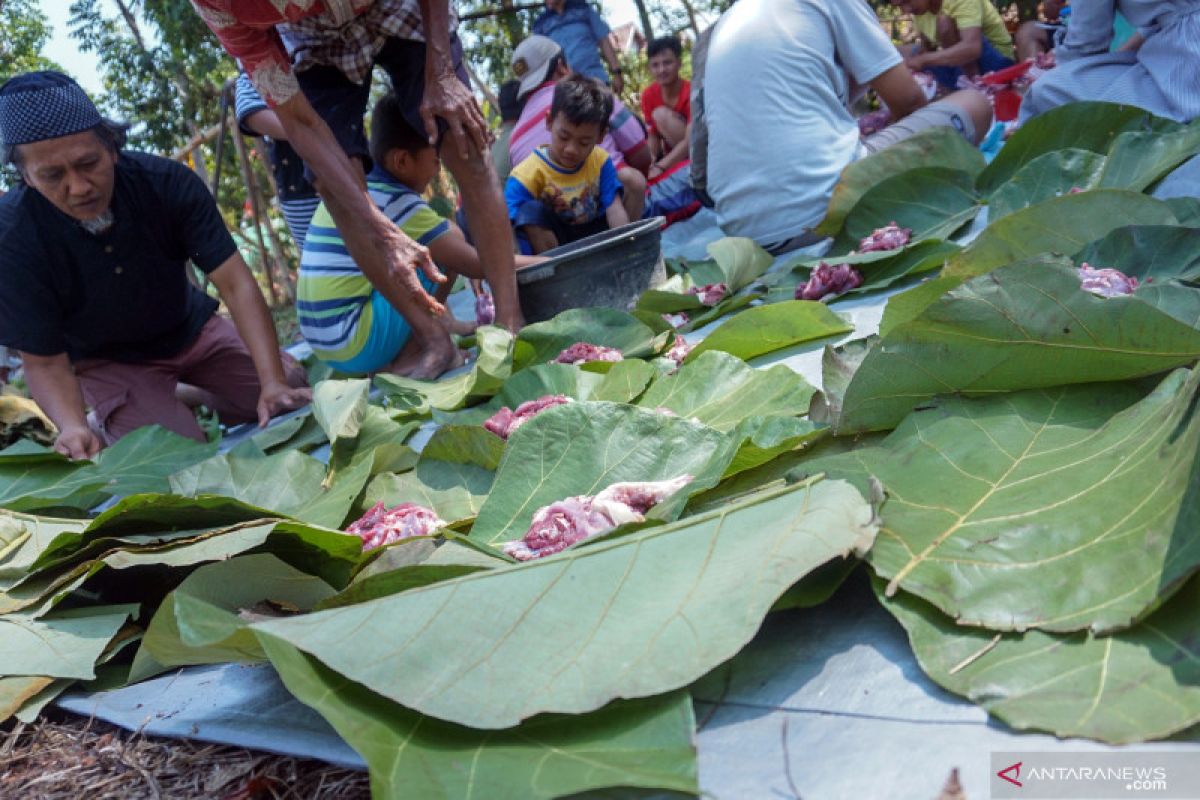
{"points": [[37, 106]]}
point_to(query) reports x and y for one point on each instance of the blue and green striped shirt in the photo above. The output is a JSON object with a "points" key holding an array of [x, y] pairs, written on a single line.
{"points": [[332, 297]]}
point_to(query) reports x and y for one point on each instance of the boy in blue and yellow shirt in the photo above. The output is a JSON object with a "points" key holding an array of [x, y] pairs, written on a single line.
{"points": [[568, 189]]}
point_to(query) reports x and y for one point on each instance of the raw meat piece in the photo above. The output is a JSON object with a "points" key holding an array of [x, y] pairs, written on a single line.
{"points": [[677, 320], [710, 293], [583, 352], [559, 525], [874, 121], [485, 309], [1105, 282], [505, 421], [889, 237], [829, 281], [679, 351], [382, 525]]}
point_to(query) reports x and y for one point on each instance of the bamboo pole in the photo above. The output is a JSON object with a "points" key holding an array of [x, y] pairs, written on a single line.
{"points": [[256, 209]]}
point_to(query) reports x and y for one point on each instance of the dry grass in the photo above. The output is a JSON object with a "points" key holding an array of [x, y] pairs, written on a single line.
{"points": [[73, 757]]}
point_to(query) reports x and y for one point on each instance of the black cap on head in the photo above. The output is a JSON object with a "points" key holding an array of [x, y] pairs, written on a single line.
{"points": [[43, 105]]}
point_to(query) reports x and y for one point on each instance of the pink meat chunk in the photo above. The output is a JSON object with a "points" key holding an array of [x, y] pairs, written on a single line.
{"points": [[485, 309], [559, 525], [679, 351], [874, 121], [677, 320], [505, 421], [889, 237], [1105, 282], [583, 352], [710, 293], [829, 281], [382, 525]]}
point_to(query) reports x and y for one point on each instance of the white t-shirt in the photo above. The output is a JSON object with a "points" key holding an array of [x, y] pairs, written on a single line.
{"points": [[776, 89]]}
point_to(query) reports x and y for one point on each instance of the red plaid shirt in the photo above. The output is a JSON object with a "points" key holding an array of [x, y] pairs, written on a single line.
{"points": [[346, 34]]}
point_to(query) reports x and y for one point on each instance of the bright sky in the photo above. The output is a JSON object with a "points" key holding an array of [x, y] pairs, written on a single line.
{"points": [[84, 66]]}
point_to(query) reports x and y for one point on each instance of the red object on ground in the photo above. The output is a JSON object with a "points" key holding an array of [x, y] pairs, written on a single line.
{"points": [[1002, 77], [1007, 104]]}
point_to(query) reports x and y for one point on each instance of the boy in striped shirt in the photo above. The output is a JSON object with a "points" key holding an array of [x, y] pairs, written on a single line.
{"points": [[345, 318]]}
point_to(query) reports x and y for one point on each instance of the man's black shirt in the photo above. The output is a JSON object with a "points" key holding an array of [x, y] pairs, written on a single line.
{"points": [[123, 294]]}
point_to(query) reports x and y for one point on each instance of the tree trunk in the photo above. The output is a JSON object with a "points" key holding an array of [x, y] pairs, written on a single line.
{"points": [[691, 15], [644, 14]]}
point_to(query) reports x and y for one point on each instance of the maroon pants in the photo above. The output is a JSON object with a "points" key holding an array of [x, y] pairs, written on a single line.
{"points": [[125, 397]]}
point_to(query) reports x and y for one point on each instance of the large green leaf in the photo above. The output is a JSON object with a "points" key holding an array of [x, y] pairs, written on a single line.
{"points": [[24, 537], [139, 462], [290, 483], [204, 620], [607, 327], [62, 644], [581, 448], [642, 743], [1082, 126], [933, 201], [1058, 509], [763, 439], [1139, 158], [339, 408], [1133, 686], [720, 391], [632, 616], [1024, 326], [935, 147], [1048, 176], [491, 368], [764, 329], [735, 262], [621, 384], [452, 477], [1186, 210], [1147, 251], [1062, 225], [879, 269]]}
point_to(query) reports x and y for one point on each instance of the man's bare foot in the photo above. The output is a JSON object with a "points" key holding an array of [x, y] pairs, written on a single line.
{"points": [[426, 360], [511, 322]]}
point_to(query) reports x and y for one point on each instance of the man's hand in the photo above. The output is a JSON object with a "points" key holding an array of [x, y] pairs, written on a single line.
{"points": [[446, 97], [404, 257], [78, 443], [916, 63], [278, 397]]}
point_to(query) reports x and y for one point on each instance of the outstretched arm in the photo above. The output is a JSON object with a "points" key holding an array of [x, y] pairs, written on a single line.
{"points": [[616, 214], [900, 91]]}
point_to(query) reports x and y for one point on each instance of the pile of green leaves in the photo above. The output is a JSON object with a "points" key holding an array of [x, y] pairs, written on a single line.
{"points": [[580, 658], [1015, 459]]}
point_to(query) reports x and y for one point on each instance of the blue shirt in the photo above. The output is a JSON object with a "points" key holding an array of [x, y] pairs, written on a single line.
{"points": [[578, 30]]}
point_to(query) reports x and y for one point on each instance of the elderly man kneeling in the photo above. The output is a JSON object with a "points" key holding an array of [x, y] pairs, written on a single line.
{"points": [[94, 293]]}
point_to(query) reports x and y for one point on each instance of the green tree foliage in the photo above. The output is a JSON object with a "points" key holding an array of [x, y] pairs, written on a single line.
{"points": [[23, 34]]}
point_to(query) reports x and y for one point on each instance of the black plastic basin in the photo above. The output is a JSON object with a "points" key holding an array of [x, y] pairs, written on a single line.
{"points": [[610, 270]]}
